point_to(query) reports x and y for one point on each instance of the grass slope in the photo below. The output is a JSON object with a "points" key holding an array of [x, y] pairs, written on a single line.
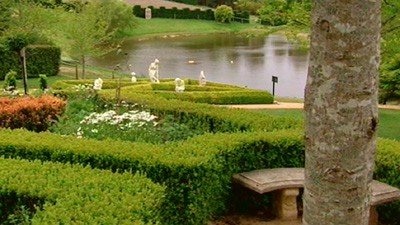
{"points": [[160, 27]]}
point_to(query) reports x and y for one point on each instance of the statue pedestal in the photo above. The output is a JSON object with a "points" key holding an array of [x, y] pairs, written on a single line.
{"points": [[148, 13]]}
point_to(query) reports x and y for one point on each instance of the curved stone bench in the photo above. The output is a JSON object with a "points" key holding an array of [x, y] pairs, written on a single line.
{"points": [[285, 184]]}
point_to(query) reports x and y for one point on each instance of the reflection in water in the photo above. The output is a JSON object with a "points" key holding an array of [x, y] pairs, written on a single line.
{"points": [[224, 58]]}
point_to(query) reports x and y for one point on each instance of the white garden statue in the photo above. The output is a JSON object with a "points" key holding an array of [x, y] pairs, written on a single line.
{"points": [[153, 72], [133, 79], [179, 85], [98, 84], [202, 79]]}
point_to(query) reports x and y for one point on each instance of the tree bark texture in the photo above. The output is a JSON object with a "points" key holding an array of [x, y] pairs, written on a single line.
{"points": [[341, 111]]}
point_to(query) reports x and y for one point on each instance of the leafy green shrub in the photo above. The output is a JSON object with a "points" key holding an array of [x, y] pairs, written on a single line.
{"points": [[242, 16], [78, 195], [43, 82], [223, 14], [10, 81], [274, 13], [35, 114], [387, 166], [389, 81], [249, 5]]}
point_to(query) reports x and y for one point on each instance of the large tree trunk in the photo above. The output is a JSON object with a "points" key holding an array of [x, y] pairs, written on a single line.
{"points": [[341, 111]]}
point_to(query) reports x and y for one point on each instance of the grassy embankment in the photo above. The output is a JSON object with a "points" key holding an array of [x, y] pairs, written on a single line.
{"points": [[389, 120], [166, 27]]}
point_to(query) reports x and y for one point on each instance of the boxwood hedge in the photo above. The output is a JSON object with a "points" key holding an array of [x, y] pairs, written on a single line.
{"points": [[73, 194], [201, 116], [197, 172], [41, 59], [174, 13], [387, 170]]}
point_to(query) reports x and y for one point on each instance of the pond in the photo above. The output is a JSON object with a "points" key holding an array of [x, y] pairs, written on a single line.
{"points": [[224, 58]]}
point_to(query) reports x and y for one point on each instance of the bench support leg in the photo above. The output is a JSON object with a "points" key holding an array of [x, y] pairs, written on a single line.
{"points": [[285, 202], [373, 216]]}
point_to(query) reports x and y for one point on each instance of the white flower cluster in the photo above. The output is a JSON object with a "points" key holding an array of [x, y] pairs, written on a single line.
{"points": [[126, 120], [82, 87]]}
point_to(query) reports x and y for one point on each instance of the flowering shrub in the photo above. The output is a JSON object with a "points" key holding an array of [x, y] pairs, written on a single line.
{"points": [[133, 125], [35, 114], [112, 121], [90, 118]]}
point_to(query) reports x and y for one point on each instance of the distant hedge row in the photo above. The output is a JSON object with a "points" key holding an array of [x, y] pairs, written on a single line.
{"points": [[40, 59], [174, 13], [241, 16], [186, 13], [78, 195]]}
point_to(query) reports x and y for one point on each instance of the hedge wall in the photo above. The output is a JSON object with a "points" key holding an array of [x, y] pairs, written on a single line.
{"points": [[387, 170], [174, 13], [9, 61], [40, 60], [241, 16], [78, 195], [216, 119], [189, 2], [197, 172], [221, 97], [204, 116], [43, 59]]}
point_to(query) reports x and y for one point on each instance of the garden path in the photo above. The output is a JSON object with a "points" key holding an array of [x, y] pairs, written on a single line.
{"points": [[291, 105]]}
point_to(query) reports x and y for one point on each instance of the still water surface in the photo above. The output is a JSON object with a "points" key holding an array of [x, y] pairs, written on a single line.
{"points": [[225, 58]]}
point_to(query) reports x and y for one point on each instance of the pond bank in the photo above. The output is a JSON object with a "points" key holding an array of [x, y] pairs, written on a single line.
{"points": [[159, 27]]}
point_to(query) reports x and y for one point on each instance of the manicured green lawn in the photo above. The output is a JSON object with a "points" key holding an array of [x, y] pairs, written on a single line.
{"points": [[33, 83], [389, 120]]}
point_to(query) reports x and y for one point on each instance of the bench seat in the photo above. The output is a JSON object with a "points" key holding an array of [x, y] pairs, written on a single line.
{"points": [[286, 182]]}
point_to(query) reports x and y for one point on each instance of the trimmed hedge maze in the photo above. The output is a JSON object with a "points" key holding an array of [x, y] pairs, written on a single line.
{"points": [[195, 174], [72, 194], [213, 93]]}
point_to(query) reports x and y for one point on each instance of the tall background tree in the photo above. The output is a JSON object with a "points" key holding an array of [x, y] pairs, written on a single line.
{"points": [[93, 30], [341, 111]]}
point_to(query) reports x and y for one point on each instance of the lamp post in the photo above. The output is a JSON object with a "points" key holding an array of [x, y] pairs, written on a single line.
{"points": [[274, 80]]}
